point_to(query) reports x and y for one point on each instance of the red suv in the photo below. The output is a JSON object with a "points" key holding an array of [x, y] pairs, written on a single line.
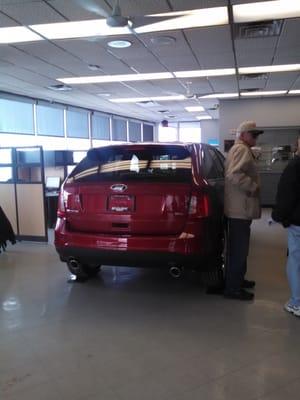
{"points": [[158, 205]]}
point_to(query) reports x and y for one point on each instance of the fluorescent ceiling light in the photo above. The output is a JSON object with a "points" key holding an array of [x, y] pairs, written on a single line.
{"points": [[269, 68], [116, 78], [154, 98], [77, 29], [264, 93], [18, 34], [195, 109], [189, 19], [266, 10], [294, 91], [203, 117], [205, 72], [219, 96], [98, 27]]}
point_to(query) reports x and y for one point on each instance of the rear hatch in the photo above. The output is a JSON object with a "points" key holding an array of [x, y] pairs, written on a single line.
{"points": [[136, 189]]}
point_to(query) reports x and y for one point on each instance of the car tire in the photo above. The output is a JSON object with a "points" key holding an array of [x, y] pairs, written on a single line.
{"points": [[213, 276]]}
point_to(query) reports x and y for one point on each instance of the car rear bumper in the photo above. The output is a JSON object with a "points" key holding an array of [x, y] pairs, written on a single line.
{"points": [[183, 250]]}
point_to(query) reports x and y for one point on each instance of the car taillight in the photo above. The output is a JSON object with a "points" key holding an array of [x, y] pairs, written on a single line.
{"points": [[200, 205], [62, 204]]}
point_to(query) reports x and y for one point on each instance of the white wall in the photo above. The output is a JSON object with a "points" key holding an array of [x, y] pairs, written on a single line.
{"points": [[210, 129], [273, 113]]}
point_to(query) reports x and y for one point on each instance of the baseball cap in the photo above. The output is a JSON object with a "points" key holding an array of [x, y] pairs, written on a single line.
{"points": [[249, 126]]}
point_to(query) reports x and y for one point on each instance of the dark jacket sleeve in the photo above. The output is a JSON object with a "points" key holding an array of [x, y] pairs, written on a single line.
{"points": [[6, 231], [287, 195]]}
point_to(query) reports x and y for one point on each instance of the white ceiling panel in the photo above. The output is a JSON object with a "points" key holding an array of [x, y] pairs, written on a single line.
{"points": [[289, 37], [251, 83], [29, 76], [73, 12], [32, 13], [138, 7], [281, 80], [6, 21], [190, 4], [23, 60], [180, 63], [224, 84], [296, 85], [162, 87], [212, 46]]}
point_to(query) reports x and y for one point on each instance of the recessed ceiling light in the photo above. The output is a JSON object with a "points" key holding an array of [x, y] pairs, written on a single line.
{"points": [[153, 98], [294, 91], [269, 68], [116, 78], [94, 67], [264, 93], [203, 117], [219, 96], [195, 109], [18, 34], [162, 40], [119, 44], [171, 116], [266, 10]]}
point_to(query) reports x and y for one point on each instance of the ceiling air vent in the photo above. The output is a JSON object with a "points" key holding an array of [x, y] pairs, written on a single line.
{"points": [[251, 90], [164, 111], [247, 77], [254, 30], [60, 88]]}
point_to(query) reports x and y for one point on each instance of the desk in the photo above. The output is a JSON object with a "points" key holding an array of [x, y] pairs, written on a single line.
{"points": [[51, 205]]}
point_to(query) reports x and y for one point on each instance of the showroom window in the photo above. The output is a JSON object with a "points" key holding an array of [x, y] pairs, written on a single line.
{"points": [[119, 129], [100, 126], [135, 131], [49, 119], [168, 132], [148, 133], [190, 132], [16, 116], [77, 123]]}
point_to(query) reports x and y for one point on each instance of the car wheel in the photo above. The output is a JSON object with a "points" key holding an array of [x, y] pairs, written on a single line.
{"points": [[213, 276]]}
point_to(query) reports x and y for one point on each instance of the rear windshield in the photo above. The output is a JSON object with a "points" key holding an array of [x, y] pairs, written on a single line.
{"points": [[138, 163]]}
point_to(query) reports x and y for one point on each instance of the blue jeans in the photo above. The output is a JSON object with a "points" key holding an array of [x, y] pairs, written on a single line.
{"points": [[293, 264]]}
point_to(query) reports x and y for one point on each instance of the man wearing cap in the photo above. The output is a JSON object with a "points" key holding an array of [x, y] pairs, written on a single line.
{"points": [[242, 205]]}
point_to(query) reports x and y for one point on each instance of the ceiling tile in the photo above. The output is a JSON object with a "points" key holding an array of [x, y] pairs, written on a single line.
{"points": [[34, 12]]}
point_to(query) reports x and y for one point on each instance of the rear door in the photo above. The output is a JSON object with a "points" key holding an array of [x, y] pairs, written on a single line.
{"points": [[137, 189], [213, 171]]}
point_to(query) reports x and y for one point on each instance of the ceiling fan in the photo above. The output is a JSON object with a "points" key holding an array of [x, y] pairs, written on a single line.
{"points": [[115, 18]]}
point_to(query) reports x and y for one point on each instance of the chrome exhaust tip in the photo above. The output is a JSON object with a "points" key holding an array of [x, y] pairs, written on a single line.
{"points": [[175, 271]]}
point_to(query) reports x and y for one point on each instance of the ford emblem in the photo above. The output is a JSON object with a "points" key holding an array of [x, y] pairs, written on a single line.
{"points": [[119, 187]]}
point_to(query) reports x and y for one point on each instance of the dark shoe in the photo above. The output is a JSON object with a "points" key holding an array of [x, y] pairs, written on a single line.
{"points": [[248, 284], [239, 295]]}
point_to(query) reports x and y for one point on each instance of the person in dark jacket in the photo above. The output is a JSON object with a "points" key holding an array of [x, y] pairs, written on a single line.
{"points": [[6, 231], [287, 212]]}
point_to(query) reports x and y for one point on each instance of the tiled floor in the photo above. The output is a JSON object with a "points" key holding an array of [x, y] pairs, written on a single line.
{"points": [[138, 334]]}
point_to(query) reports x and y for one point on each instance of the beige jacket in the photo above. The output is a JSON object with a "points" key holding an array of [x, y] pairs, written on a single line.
{"points": [[242, 183]]}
